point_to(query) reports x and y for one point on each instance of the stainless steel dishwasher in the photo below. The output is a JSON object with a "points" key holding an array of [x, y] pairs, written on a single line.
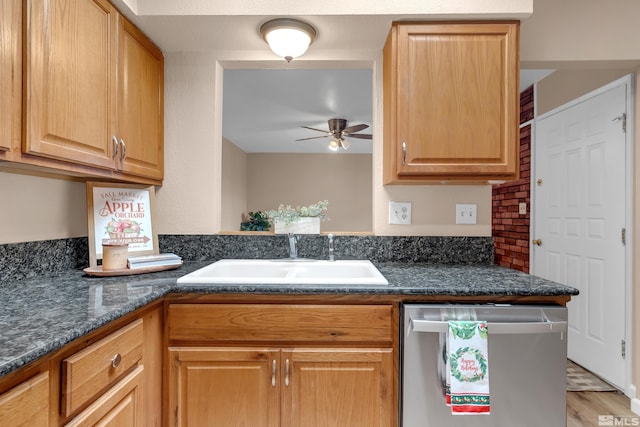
{"points": [[527, 354]]}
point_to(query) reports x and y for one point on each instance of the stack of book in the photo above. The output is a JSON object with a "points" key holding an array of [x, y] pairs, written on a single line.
{"points": [[158, 260]]}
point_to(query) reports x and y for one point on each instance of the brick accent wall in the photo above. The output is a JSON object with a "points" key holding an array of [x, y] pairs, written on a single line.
{"points": [[510, 229]]}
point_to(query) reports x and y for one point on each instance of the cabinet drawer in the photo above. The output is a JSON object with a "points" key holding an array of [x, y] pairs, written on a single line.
{"points": [[93, 369], [281, 322], [120, 406]]}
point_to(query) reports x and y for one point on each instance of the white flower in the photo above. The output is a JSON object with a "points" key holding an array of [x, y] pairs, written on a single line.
{"points": [[288, 214]]}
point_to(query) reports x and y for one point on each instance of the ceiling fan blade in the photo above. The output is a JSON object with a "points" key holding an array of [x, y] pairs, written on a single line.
{"points": [[354, 128], [319, 130], [313, 137], [359, 135]]}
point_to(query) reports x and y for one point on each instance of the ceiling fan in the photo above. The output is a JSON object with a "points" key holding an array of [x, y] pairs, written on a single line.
{"points": [[339, 131]]}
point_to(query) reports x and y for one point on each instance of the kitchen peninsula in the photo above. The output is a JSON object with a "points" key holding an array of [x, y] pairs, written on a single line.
{"points": [[50, 322]]}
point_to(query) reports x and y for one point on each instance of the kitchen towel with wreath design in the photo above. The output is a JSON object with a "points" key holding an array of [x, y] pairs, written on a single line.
{"points": [[468, 368]]}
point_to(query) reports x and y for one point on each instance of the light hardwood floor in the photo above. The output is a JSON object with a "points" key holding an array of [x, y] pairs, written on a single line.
{"points": [[585, 407]]}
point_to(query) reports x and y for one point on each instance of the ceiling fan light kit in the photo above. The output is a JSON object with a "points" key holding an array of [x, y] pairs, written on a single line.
{"points": [[339, 131], [288, 38]]}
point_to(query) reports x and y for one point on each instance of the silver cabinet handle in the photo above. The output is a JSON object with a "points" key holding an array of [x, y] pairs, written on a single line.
{"points": [[115, 361], [115, 147], [404, 153], [286, 373], [124, 150], [494, 328], [273, 374]]}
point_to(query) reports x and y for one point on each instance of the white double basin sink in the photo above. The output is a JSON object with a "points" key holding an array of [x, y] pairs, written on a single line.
{"points": [[287, 271]]}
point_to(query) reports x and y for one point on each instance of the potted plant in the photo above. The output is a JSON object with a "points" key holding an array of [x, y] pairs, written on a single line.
{"points": [[257, 221], [298, 220]]}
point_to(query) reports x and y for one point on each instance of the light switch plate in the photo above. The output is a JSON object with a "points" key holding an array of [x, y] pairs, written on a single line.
{"points": [[400, 213], [466, 214], [522, 208]]}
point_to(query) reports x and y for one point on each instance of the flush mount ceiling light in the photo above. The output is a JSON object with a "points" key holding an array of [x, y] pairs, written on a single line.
{"points": [[288, 38]]}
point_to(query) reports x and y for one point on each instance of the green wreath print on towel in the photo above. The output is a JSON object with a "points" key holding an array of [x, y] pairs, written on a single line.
{"points": [[479, 373]]}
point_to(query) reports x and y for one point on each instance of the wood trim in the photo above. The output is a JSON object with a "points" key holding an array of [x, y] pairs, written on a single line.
{"points": [[237, 298]]}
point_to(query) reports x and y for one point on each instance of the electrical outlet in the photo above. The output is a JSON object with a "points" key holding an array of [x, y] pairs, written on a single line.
{"points": [[399, 212], [466, 214]]}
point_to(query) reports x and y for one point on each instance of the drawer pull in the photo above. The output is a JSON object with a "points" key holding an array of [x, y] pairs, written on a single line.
{"points": [[115, 361]]}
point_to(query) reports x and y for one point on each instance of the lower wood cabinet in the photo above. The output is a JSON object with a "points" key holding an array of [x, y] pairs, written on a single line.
{"points": [[26, 404], [272, 365], [338, 387], [224, 386], [267, 387]]}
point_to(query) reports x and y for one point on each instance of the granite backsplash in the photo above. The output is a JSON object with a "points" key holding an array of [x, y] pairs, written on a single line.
{"points": [[30, 259]]}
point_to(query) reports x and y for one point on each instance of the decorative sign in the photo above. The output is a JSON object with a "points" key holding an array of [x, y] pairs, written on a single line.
{"points": [[120, 214]]}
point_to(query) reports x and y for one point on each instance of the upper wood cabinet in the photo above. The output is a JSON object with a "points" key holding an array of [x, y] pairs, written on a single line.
{"points": [[71, 81], [451, 102], [94, 89], [140, 103], [10, 75]]}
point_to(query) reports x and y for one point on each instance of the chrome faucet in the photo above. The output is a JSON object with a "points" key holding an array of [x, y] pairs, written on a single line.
{"points": [[293, 248], [332, 257]]}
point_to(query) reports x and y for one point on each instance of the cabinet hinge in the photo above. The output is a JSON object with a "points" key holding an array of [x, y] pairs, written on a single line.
{"points": [[623, 236], [623, 348], [623, 118]]}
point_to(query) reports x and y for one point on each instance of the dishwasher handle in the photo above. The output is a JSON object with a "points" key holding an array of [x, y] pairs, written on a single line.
{"points": [[547, 327]]}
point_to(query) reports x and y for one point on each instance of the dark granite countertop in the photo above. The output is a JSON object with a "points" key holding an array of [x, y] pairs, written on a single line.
{"points": [[42, 314]]}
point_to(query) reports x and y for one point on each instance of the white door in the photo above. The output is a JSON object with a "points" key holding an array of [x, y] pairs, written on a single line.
{"points": [[579, 214]]}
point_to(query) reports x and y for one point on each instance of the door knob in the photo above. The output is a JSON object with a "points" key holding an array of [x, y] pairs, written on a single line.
{"points": [[537, 242]]}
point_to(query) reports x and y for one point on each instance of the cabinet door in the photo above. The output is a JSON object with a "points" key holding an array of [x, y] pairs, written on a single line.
{"points": [[338, 388], [70, 80], [140, 103], [456, 101], [119, 406], [26, 404], [223, 387], [10, 73]]}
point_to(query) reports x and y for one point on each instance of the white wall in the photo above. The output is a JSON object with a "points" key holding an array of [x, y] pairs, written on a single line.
{"points": [[234, 186], [302, 179], [189, 200], [35, 208], [581, 33]]}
